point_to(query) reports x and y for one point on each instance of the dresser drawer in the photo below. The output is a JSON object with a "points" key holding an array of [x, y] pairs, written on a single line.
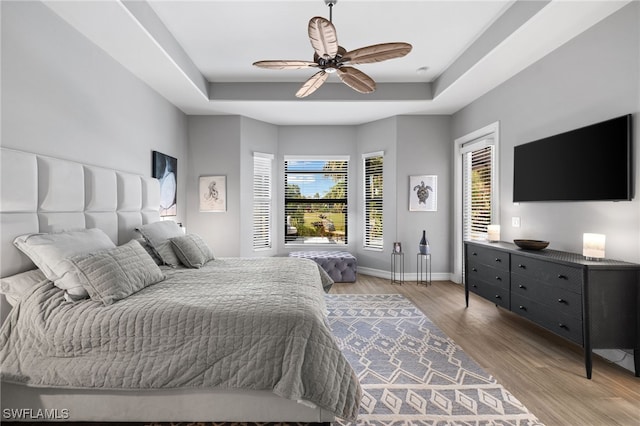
{"points": [[489, 274], [554, 274], [555, 298], [495, 294], [495, 258], [560, 324]]}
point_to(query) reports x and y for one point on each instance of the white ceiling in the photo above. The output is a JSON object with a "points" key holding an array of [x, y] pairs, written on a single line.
{"points": [[198, 54], [224, 38]]}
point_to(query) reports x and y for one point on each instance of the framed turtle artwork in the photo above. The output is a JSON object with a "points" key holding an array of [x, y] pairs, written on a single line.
{"points": [[423, 193]]}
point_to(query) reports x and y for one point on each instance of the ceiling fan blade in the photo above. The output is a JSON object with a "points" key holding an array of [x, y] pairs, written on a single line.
{"points": [[312, 84], [285, 65], [323, 37], [377, 53], [356, 79]]}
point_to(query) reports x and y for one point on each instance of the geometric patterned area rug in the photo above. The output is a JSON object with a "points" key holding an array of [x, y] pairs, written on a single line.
{"points": [[411, 373]]}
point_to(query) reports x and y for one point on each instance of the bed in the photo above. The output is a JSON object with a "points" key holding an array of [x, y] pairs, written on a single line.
{"points": [[232, 340]]}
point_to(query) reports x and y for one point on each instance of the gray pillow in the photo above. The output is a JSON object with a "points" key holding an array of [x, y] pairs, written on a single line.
{"points": [[15, 286], [192, 251], [145, 245], [114, 274], [158, 235]]}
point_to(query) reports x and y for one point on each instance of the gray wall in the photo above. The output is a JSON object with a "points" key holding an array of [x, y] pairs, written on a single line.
{"points": [[424, 148], [591, 78], [62, 96], [257, 136], [413, 145], [373, 137], [224, 145], [214, 149]]}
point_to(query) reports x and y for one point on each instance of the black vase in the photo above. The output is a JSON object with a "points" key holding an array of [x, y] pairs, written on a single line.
{"points": [[424, 244]]}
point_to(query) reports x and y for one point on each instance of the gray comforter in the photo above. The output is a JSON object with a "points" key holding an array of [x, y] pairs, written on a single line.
{"points": [[235, 323]]}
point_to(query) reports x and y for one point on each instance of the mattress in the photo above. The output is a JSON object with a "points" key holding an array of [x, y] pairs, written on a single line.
{"points": [[255, 324]]}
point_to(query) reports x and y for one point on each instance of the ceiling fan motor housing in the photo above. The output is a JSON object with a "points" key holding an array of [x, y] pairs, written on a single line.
{"points": [[328, 63]]}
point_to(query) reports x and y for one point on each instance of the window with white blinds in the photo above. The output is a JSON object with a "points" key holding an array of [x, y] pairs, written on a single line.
{"points": [[373, 200], [478, 188], [262, 170], [315, 199]]}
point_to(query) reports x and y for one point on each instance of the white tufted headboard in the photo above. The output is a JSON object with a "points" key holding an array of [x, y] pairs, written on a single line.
{"points": [[45, 194]]}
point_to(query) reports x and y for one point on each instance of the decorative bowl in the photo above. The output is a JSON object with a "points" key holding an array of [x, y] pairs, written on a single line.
{"points": [[531, 244]]}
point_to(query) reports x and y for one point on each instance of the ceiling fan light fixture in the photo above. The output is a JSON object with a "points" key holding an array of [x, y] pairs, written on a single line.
{"points": [[332, 58]]}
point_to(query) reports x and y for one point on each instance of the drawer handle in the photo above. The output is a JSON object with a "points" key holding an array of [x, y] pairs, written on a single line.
{"points": [[562, 277], [474, 254], [521, 266], [499, 278], [474, 285], [498, 259], [563, 326], [563, 301], [498, 296], [524, 287], [524, 308], [474, 270]]}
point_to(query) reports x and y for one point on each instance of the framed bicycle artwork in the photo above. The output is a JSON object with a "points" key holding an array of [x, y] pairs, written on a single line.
{"points": [[213, 193]]}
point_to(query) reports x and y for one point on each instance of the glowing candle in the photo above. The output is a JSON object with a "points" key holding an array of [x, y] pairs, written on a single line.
{"points": [[493, 233], [593, 246]]}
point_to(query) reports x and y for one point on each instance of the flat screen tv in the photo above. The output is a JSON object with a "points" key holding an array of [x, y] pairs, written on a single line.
{"points": [[586, 164]]}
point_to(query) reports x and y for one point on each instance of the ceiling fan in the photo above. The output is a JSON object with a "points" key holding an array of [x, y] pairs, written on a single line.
{"points": [[330, 58]]}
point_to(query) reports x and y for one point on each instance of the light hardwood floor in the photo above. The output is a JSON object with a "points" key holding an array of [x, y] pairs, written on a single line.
{"points": [[545, 372]]}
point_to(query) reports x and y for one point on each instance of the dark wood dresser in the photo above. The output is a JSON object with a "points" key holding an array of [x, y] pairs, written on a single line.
{"points": [[595, 304]]}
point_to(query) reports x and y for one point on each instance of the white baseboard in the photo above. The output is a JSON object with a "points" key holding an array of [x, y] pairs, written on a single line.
{"points": [[408, 276], [617, 356]]}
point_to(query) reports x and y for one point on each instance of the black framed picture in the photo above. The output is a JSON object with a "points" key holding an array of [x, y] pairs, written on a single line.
{"points": [[165, 169]]}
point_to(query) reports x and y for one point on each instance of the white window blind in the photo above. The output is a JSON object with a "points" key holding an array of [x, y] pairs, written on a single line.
{"points": [[262, 170], [478, 188], [373, 200]]}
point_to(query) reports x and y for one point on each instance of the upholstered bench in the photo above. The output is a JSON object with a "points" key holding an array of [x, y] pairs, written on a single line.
{"points": [[340, 265]]}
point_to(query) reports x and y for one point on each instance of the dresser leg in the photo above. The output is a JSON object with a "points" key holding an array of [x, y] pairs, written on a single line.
{"points": [[588, 362], [636, 361]]}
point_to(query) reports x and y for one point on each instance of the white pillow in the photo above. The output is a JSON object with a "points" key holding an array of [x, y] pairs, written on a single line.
{"points": [[158, 235], [50, 253], [15, 286]]}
